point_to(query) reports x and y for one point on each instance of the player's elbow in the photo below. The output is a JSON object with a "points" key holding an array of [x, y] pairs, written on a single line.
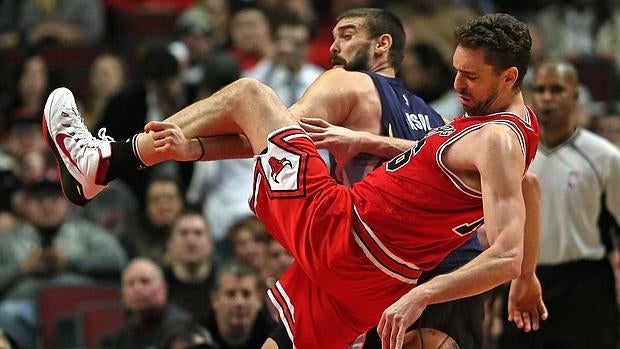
{"points": [[513, 260]]}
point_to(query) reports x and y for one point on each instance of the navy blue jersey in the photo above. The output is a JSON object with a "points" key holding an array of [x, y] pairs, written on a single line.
{"points": [[403, 115]]}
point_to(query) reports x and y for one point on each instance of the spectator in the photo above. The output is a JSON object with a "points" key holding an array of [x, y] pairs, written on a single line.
{"points": [[191, 271], [579, 175], [569, 28], [237, 320], [62, 22], [194, 32], [108, 77], [149, 314], [432, 21], [425, 73], [288, 72], [220, 14], [278, 260], [164, 204], [50, 248], [25, 159], [250, 36], [607, 37], [608, 127], [188, 335], [33, 86], [248, 240]]}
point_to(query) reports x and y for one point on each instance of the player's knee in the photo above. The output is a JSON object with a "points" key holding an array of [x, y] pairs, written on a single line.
{"points": [[250, 89]]}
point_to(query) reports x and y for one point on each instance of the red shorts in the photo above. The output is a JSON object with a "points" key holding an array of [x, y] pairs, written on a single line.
{"points": [[332, 292]]}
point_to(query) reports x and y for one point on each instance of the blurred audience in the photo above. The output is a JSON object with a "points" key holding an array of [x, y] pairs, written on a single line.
{"points": [[278, 260], [248, 240], [33, 87], [288, 72], [108, 77], [114, 209], [64, 22], [250, 36], [608, 126], [187, 335], [432, 22], [25, 158], [569, 28], [149, 314], [190, 273], [237, 320], [425, 73], [194, 33], [164, 204], [220, 14], [49, 248]]}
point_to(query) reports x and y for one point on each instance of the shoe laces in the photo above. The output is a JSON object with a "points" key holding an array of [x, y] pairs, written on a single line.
{"points": [[82, 136]]}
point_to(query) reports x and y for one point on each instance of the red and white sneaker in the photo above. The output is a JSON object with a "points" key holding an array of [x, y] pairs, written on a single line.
{"points": [[79, 155]]}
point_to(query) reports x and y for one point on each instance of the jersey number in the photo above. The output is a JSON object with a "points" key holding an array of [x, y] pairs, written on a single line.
{"points": [[467, 228], [402, 159]]}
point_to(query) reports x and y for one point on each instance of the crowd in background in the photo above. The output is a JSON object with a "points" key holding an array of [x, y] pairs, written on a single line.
{"points": [[180, 236]]}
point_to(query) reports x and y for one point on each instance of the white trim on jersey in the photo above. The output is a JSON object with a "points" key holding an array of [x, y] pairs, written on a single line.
{"points": [[389, 257], [458, 183], [289, 306]]}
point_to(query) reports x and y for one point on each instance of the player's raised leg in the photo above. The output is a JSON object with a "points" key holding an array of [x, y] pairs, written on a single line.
{"points": [[87, 164]]}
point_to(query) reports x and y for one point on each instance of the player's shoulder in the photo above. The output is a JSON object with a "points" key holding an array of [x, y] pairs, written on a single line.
{"points": [[349, 79], [496, 137]]}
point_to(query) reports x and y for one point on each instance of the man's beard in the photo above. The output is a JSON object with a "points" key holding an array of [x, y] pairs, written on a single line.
{"points": [[359, 62], [484, 107]]}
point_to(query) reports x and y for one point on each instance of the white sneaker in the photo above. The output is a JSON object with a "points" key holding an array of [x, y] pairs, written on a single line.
{"points": [[79, 155]]}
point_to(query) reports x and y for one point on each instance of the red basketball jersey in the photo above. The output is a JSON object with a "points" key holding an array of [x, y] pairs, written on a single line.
{"points": [[414, 210]]}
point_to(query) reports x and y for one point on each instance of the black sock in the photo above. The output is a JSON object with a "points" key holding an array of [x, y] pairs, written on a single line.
{"points": [[124, 159]]}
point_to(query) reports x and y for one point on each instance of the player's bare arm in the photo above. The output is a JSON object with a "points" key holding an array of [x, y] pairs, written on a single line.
{"points": [[342, 98], [345, 143], [525, 304], [491, 160]]}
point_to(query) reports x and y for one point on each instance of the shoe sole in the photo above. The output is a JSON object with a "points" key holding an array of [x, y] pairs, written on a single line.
{"points": [[70, 186]]}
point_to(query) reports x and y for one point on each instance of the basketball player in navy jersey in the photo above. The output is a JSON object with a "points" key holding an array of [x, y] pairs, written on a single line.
{"points": [[228, 124]]}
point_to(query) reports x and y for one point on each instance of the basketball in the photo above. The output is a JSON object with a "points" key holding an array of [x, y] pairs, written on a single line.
{"points": [[429, 338]]}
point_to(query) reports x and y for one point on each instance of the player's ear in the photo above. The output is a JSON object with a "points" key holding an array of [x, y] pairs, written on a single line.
{"points": [[383, 43], [510, 75]]}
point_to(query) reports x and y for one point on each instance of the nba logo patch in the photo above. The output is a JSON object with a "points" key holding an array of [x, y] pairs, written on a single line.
{"points": [[574, 178]]}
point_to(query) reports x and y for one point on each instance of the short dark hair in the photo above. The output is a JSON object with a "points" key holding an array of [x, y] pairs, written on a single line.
{"points": [[157, 63], [507, 41], [237, 269], [379, 22], [186, 331]]}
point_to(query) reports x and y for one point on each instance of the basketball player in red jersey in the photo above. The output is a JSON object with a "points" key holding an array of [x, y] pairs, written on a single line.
{"points": [[351, 265]]}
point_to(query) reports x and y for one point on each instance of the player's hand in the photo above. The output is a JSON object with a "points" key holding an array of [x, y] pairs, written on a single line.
{"points": [[525, 304], [397, 318], [340, 141], [170, 142]]}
